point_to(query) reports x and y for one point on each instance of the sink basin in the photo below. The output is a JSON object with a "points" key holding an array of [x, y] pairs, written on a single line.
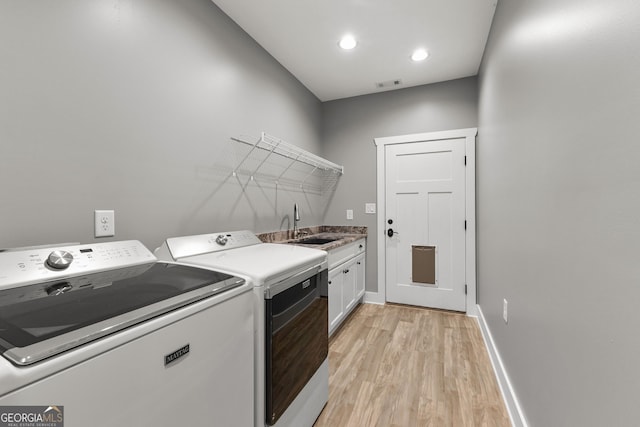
{"points": [[315, 240]]}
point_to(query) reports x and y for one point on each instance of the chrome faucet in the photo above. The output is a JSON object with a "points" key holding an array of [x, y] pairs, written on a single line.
{"points": [[296, 218]]}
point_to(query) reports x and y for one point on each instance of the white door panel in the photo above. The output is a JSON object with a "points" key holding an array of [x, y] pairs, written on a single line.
{"points": [[425, 200], [422, 167]]}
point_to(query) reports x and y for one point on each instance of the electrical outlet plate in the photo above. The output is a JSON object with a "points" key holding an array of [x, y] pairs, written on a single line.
{"points": [[505, 313], [105, 225], [370, 208], [349, 213]]}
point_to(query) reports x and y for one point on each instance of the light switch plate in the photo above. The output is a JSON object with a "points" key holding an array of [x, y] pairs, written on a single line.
{"points": [[105, 225], [349, 213], [370, 208]]}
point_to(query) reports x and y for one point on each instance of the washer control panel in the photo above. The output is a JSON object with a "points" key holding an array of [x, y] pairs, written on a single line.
{"points": [[25, 266], [180, 247]]}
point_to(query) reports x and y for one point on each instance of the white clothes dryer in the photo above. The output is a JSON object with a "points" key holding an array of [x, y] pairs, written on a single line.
{"points": [[290, 282]]}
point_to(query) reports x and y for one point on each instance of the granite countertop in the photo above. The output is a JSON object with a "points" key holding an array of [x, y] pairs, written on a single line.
{"points": [[343, 235]]}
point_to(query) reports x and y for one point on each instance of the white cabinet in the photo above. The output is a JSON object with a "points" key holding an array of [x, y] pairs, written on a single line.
{"points": [[360, 272], [336, 311], [349, 285], [346, 280]]}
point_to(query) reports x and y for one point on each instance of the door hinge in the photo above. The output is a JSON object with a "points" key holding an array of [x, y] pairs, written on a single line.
{"points": [[465, 224], [465, 289], [465, 160]]}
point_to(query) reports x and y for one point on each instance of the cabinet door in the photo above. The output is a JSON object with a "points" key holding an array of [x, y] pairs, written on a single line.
{"points": [[349, 285], [336, 311], [360, 276]]}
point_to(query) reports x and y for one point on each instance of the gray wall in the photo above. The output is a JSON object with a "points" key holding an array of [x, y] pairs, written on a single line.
{"points": [[558, 202], [350, 125], [130, 105]]}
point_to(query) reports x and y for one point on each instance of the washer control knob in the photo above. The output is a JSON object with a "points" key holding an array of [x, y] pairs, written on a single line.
{"points": [[221, 240], [59, 260]]}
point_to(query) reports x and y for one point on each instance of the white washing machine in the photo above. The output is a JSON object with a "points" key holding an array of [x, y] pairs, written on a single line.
{"points": [[291, 318], [108, 336]]}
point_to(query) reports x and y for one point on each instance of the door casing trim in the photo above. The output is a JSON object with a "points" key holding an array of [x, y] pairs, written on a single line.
{"points": [[470, 207]]}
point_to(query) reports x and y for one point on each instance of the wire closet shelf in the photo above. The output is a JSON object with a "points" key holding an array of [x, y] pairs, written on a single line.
{"points": [[321, 176]]}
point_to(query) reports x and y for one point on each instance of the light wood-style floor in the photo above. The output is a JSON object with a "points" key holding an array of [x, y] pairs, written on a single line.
{"points": [[405, 366]]}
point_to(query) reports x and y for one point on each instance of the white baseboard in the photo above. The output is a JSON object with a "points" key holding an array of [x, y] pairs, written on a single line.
{"points": [[373, 298], [511, 401], [378, 298]]}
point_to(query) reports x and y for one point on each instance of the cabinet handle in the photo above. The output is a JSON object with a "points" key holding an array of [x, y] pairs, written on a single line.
{"points": [[329, 281], [358, 262], [345, 271]]}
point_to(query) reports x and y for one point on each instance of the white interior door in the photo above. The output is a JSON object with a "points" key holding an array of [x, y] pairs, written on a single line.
{"points": [[425, 207]]}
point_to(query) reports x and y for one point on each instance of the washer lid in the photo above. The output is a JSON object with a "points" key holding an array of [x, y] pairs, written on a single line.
{"points": [[41, 320], [265, 263]]}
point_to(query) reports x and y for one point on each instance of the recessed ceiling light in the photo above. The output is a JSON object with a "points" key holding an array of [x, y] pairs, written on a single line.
{"points": [[419, 55], [347, 42]]}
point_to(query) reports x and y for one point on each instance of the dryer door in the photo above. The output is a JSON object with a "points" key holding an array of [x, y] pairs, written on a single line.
{"points": [[297, 341], [42, 320]]}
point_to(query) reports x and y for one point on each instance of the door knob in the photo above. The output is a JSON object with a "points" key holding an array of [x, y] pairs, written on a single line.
{"points": [[390, 232]]}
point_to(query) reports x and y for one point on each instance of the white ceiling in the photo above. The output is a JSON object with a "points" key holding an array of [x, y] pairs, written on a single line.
{"points": [[303, 36]]}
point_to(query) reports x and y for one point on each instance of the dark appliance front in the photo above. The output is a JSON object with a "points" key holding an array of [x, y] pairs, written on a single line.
{"points": [[297, 341]]}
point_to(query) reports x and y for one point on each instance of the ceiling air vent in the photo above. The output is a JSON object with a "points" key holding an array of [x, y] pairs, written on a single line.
{"points": [[389, 83]]}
